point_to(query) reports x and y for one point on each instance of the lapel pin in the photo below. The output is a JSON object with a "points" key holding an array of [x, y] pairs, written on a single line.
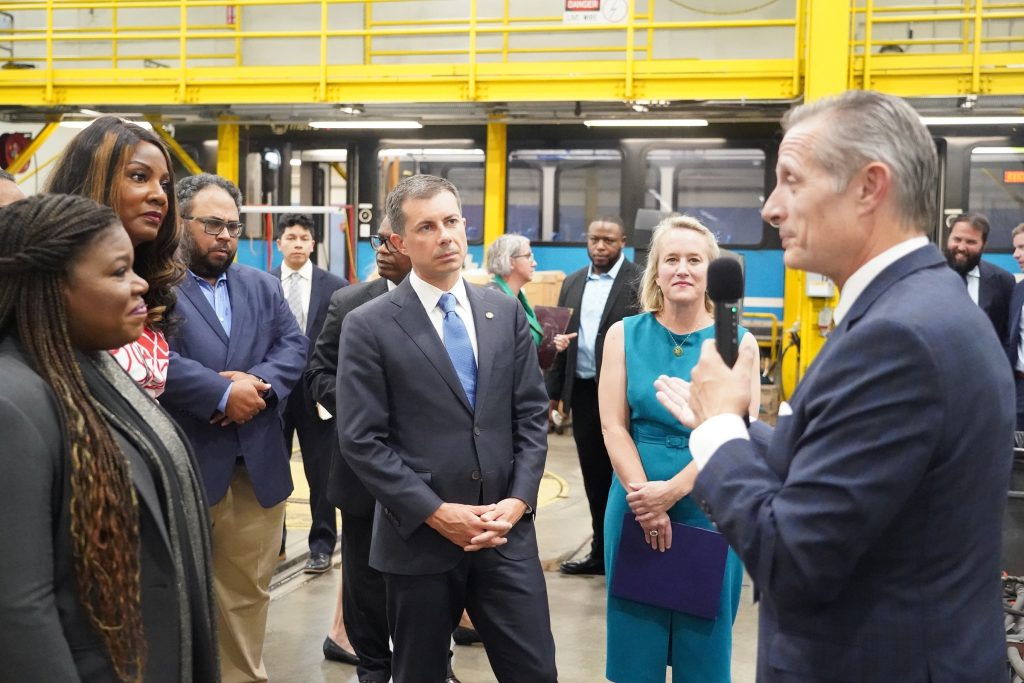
{"points": [[488, 315]]}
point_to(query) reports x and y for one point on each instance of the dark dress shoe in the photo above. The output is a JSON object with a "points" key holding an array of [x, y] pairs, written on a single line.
{"points": [[466, 636], [452, 679], [588, 565], [318, 563], [336, 653]]}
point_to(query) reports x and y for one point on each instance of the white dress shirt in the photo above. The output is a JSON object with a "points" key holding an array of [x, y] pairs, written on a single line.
{"points": [[305, 283], [720, 429], [429, 295], [974, 283]]}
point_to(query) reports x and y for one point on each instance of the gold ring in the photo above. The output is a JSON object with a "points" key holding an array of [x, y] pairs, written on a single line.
{"points": [[654, 533]]}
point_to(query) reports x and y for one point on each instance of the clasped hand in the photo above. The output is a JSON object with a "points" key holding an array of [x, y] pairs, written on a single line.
{"points": [[245, 400], [475, 527], [651, 498]]}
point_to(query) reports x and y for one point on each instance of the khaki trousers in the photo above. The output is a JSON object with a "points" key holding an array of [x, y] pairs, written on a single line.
{"points": [[246, 542]]}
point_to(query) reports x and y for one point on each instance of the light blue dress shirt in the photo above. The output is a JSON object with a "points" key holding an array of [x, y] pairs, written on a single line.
{"points": [[595, 296], [218, 298]]}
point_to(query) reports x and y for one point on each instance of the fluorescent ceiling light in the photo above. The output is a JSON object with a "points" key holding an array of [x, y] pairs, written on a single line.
{"points": [[971, 120], [86, 124], [646, 123], [296, 162], [429, 152], [365, 124], [997, 150]]}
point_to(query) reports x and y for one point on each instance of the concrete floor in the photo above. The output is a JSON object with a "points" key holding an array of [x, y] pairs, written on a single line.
{"points": [[302, 607]]}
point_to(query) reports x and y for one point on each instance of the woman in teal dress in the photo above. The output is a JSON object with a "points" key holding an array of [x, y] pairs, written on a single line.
{"points": [[651, 457]]}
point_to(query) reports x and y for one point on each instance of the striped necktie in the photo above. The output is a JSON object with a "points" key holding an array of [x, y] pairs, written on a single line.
{"points": [[295, 299]]}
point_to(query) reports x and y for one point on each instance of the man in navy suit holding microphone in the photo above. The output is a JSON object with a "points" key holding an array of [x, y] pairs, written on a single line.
{"points": [[870, 518]]}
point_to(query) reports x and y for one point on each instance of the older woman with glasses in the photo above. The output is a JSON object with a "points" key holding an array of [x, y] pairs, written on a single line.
{"points": [[511, 265]]}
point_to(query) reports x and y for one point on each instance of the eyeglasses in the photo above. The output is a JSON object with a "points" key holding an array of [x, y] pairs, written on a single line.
{"points": [[377, 240], [528, 255], [214, 226]]}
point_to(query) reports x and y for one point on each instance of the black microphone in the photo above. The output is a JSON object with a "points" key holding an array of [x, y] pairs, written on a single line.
{"points": [[725, 287]]}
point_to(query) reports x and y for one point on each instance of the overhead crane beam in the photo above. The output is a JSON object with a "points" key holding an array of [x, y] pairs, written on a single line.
{"points": [[172, 144]]}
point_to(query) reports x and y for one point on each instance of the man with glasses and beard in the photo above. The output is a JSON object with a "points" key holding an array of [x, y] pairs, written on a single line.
{"points": [[988, 284], [236, 353]]}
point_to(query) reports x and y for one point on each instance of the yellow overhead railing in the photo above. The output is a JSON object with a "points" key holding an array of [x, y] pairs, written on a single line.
{"points": [[974, 48], [186, 52]]}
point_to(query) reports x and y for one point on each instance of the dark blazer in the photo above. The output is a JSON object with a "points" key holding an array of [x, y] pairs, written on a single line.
{"points": [[412, 437], [1013, 322], [870, 520], [994, 288], [343, 487], [266, 342], [47, 635], [623, 300], [322, 287]]}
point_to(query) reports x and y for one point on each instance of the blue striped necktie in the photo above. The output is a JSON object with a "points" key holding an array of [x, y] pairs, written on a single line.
{"points": [[458, 345]]}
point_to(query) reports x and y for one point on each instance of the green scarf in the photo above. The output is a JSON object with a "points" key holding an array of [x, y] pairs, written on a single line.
{"points": [[535, 328]]}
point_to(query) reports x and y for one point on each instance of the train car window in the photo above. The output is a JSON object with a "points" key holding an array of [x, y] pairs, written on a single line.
{"points": [[463, 167], [524, 212], [565, 189], [997, 190], [723, 188]]}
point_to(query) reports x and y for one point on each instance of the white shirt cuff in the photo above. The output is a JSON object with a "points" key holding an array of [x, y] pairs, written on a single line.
{"points": [[713, 433]]}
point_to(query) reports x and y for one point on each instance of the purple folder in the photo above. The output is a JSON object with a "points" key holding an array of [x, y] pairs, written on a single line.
{"points": [[685, 578]]}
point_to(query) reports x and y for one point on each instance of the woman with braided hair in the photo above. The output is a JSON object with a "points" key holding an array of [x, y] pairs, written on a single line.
{"points": [[105, 572], [120, 164]]}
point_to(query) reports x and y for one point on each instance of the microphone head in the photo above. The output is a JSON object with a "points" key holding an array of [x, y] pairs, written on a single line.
{"points": [[725, 279]]}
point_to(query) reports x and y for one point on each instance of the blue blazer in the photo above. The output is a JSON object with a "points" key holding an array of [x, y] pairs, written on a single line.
{"points": [[1013, 324], [414, 441], [870, 520], [265, 341], [994, 288]]}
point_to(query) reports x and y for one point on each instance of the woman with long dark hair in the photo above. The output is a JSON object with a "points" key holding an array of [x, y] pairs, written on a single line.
{"points": [[127, 167], [106, 562]]}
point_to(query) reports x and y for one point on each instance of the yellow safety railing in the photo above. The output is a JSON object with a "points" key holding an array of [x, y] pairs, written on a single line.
{"points": [[184, 51], [971, 47]]}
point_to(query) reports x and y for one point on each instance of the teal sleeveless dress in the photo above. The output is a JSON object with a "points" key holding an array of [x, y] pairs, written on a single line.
{"points": [[642, 639]]}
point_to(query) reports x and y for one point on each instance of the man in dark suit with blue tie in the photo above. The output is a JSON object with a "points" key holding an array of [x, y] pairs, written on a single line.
{"points": [[446, 426], [235, 355], [870, 518], [308, 289]]}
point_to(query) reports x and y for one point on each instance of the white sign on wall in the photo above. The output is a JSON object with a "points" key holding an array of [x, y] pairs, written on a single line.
{"points": [[595, 11]]}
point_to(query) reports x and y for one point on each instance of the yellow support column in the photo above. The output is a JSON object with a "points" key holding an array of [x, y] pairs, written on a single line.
{"points": [[827, 66], [494, 182], [227, 148]]}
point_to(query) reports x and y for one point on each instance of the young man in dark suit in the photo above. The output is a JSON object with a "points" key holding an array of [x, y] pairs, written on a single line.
{"points": [[988, 284], [235, 355], [445, 424], [1014, 344], [870, 518], [600, 295], [308, 289]]}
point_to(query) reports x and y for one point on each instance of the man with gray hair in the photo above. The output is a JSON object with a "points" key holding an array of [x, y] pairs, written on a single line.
{"points": [[235, 356], [870, 517]]}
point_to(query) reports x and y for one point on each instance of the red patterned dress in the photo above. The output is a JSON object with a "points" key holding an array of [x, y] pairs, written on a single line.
{"points": [[145, 361]]}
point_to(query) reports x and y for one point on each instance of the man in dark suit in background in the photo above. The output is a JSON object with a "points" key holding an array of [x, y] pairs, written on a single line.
{"points": [[361, 598], [870, 518], [1014, 334], [600, 295], [444, 422], [308, 289], [235, 355], [988, 284]]}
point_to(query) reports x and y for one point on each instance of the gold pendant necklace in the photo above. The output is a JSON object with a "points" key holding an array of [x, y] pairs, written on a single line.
{"points": [[677, 346]]}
